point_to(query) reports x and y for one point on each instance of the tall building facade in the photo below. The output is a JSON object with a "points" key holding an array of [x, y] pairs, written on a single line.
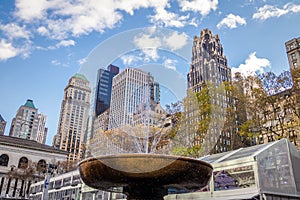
{"points": [[156, 92], [130, 89], [2, 125], [209, 64], [42, 130], [208, 70], [29, 124], [72, 125], [281, 114], [98, 119], [103, 88], [293, 54], [272, 116]]}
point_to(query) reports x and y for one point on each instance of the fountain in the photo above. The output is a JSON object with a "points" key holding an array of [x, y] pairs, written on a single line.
{"points": [[143, 173], [144, 176]]}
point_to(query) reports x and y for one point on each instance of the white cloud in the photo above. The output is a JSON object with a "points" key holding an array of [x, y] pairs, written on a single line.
{"points": [[231, 21], [269, 11], [62, 19], [58, 29], [7, 50], [55, 62], [16, 41], [14, 31], [151, 41], [65, 43], [41, 48], [202, 6], [147, 40], [25, 49], [42, 30], [170, 64], [292, 7], [150, 54], [58, 63], [65, 19], [252, 65], [59, 19], [30, 11], [148, 44], [168, 19], [176, 41], [129, 59], [130, 6], [82, 61], [194, 22]]}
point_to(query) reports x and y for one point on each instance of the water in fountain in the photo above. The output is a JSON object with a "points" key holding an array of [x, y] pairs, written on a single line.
{"points": [[142, 128]]}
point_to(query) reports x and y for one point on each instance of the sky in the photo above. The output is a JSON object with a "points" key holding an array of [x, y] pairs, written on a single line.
{"points": [[45, 42]]}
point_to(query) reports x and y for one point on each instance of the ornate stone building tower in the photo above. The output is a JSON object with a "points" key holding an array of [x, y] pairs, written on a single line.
{"points": [[293, 54], [73, 118], [209, 64], [208, 70]]}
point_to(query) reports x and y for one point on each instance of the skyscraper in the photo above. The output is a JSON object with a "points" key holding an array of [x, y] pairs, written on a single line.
{"points": [[73, 118], [103, 88], [209, 64], [130, 89], [156, 92], [293, 54], [29, 124], [208, 69], [2, 125]]}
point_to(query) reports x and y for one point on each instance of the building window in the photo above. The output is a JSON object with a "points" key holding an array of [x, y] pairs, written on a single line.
{"points": [[4, 160], [293, 56], [295, 64], [23, 163], [41, 166]]}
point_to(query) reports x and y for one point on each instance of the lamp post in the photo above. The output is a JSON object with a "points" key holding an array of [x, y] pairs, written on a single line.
{"points": [[49, 172]]}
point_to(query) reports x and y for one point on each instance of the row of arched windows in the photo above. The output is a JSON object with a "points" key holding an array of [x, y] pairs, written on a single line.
{"points": [[23, 163]]}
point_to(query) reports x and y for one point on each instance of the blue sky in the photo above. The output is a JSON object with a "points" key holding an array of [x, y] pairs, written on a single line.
{"points": [[43, 43]]}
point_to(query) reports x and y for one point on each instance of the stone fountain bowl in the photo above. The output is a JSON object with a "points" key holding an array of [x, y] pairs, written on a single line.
{"points": [[144, 176]]}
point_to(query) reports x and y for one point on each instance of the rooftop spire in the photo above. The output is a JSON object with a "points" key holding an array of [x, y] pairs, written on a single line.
{"points": [[80, 76], [29, 103]]}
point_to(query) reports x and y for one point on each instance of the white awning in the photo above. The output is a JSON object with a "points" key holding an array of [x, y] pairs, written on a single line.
{"points": [[236, 197], [247, 193]]}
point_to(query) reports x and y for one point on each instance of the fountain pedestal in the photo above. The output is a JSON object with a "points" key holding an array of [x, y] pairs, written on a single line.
{"points": [[144, 176]]}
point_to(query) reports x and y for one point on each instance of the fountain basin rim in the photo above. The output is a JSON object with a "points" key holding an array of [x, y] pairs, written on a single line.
{"points": [[144, 155], [144, 172]]}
